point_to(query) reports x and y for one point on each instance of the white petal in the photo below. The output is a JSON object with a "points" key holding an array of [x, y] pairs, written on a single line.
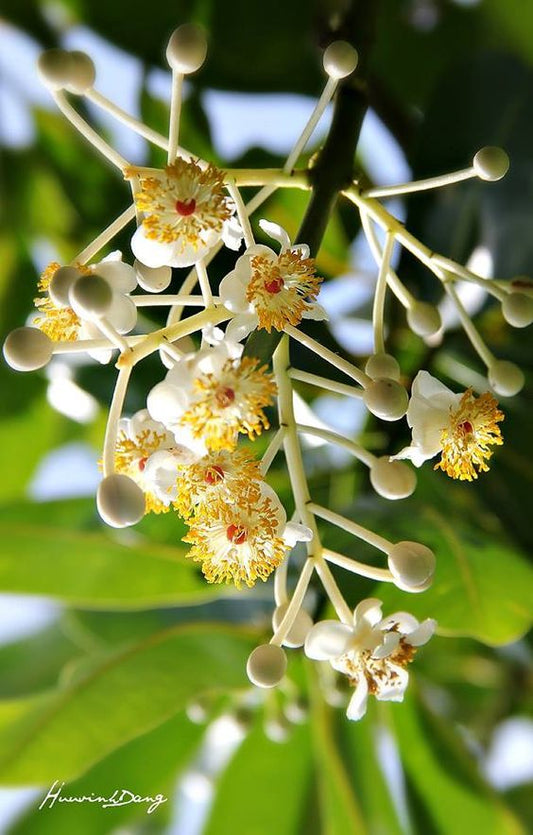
{"points": [[422, 634], [302, 249], [315, 311], [328, 639], [166, 403], [149, 252], [390, 643], [241, 326], [405, 622], [424, 385], [294, 532], [368, 610], [357, 706], [412, 453], [232, 292], [394, 690], [232, 233], [275, 231], [123, 313]]}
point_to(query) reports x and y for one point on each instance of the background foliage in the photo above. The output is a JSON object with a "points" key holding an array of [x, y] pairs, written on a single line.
{"points": [[98, 698]]}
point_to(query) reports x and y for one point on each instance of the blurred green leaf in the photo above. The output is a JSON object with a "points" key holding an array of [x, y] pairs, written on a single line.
{"points": [[482, 588], [96, 570], [146, 766], [444, 776], [267, 782], [60, 735]]}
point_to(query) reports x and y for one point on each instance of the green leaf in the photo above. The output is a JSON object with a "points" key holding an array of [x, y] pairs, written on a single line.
{"points": [[339, 809], [60, 735], [146, 766], [482, 587], [267, 782], [97, 570], [444, 776], [360, 743]]}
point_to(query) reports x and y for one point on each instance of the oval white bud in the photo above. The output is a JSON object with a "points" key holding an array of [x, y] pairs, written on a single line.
{"points": [[382, 366], [59, 287], [340, 59], [491, 163], [187, 48], [120, 501], [27, 349], [412, 565], [82, 73], [517, 310], [392, 479], [424, 319], [90, 296], [153, 279], [297, 634], [266, 665], [386, 399], [53, 68], [506, 378]]}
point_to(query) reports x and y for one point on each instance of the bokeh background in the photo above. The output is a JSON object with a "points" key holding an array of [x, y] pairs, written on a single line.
{"points": [[111, 643]]}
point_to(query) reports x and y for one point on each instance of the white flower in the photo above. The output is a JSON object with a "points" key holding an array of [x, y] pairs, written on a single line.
{"points": [[268, 290], [460, 426], [373, 653], [151, 455], [245, 539], [185, 213]]}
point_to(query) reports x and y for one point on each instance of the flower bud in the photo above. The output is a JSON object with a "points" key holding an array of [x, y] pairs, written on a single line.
{"points": [[27, 349], [153, 279], [53, 68], [392, 479], [187, 48], [517, 309], [120, 501], [59, 287], [90, 296], [81, 74], [424, 319], [340, 59], [386, 399], [505, 378], [382, 365], [266, 665], [412, 565], [491, 163], [298, 632]]}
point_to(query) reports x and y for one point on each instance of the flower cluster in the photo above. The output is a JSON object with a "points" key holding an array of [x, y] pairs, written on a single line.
{"points": [[191, 450]]}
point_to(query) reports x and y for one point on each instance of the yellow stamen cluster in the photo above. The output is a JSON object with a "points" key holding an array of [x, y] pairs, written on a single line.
{"points": [[278, 289], [236, 542], [130, 459], [218, 475], [61, 324], [231, 402], [183, 202], [471, 430]]}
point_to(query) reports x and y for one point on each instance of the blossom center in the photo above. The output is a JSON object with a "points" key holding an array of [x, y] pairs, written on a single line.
{"points": [[185, 207], [142, 463], [274, 285], [214, 474], [225, 396], [237, 534]]}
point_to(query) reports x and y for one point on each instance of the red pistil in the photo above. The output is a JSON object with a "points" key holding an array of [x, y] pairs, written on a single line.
{"points": [[214, 474], [225, 396], [142, 463], [274, 286], [466, 427], [185, 207], [236, 534]]}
